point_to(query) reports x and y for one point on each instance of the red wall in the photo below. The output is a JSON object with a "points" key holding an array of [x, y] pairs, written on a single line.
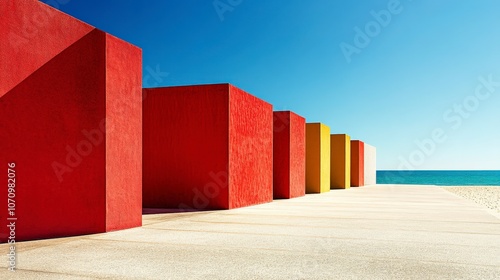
{"points": [[206, 147], [357, 163], [123, 134], [30, 25], [185, 142], [250, 149], [289, 155], [55, 123]]}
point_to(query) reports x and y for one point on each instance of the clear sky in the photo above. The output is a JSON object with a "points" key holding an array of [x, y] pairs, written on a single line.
{"points": [[404, 76]]}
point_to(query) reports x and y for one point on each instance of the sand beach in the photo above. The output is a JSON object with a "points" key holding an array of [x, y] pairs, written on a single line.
{"points": [[487, 196]]}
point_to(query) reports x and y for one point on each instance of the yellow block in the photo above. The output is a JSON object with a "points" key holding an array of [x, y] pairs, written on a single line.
{"points": [[317, 158], [340, 173]]}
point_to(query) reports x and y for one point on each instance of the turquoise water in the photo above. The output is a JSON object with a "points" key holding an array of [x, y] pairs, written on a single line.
{"points": [[440, 178]]}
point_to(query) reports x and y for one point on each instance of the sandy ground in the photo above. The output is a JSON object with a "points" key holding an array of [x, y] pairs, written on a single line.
{"points": [[486, 196]]}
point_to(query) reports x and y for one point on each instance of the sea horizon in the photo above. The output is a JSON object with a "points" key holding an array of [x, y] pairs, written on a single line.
{"points": [[440, 177]]}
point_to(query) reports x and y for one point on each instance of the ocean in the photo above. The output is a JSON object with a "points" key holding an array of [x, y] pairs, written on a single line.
{"points": [[440, 178]]}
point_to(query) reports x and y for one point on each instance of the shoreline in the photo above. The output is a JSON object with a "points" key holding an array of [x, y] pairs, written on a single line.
{"points": [[488, 196], [439, 186]]}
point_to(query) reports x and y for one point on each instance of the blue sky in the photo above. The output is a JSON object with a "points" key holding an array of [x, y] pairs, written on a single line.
{"points": [[410, 84]]}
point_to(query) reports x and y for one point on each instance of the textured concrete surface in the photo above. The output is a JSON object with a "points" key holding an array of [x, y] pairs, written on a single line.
{"points": [[370, 162], [71, 121], [340, 165], [317, 158], [206, 147], [32, 25], [289, 155], [375, 232], [357, 163]]}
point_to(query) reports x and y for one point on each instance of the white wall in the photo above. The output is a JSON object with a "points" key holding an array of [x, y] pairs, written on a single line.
{"points": [[370, 165]]}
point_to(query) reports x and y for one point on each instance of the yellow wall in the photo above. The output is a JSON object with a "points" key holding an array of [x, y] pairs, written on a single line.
{"points": [[317, 158], [340, 174]]}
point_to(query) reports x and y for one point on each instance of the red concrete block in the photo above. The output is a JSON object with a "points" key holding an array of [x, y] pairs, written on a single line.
{"points": [[289, 163], [357, 163], [206, 147], [32, 33], [71, 114]]}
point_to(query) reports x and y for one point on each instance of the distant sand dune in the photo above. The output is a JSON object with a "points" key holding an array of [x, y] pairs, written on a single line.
{"points": [[487, 196]]}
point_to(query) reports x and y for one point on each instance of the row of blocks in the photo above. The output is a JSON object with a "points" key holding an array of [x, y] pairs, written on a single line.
{"points": [[92, 148], [218, 147], [337, 162]]}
